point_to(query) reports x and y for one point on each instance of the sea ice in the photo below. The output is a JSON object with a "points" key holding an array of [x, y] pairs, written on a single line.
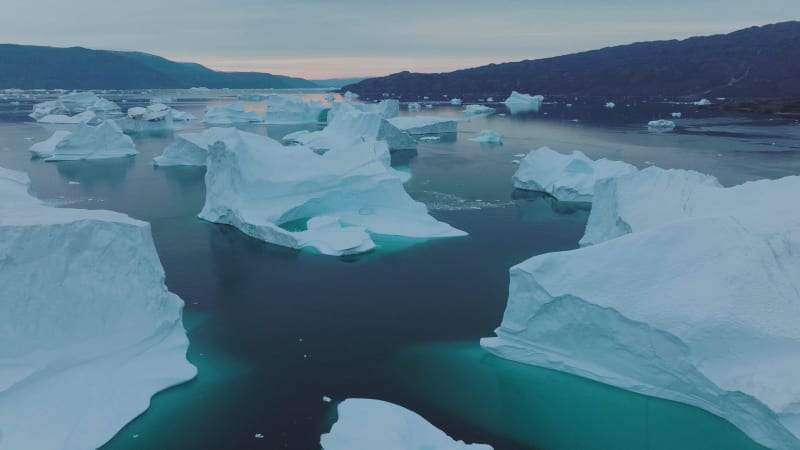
{"points": [[455, 101], [231, 114], [488, 137], [343, 196], [365, 424], [697, 303], [87, 142], [568, 178], [89, 330]]}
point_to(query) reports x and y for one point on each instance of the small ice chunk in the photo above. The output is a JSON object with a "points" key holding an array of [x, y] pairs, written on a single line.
{"points": [[488, 137], [661, 125]]}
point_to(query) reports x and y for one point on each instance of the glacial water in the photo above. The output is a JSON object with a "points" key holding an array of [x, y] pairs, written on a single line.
{"points": [[274, 330]]}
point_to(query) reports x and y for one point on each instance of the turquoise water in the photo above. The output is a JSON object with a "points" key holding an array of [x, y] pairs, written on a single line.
{"points": [[273, 330]]}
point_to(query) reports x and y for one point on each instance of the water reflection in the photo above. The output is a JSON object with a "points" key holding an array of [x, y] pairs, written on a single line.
{"points": [[96, 174], [529, 203]]}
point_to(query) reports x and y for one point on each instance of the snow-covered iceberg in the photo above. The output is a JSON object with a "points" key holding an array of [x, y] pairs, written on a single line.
{"points": [[488, 137], [701, 308], [188, 149], [661, 125], [89, 330], [569, 178], [290, 109], [518, 103], [87, 142], [350, 126], [297, 198], [478, 109], [232, 114], [365, 424], [417, 125]]}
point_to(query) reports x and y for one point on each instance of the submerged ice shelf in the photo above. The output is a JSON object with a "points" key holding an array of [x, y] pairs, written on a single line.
{"points": [[366, 424], [90, 332], [708, 277]]}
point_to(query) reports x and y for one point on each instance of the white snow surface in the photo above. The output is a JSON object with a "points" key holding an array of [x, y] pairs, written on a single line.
{"points": [[488, 137], [568, 178], [366, 424], [345, 195], [697, 303], [231, 114], [87, 142], [89, 330], [416, 125]]}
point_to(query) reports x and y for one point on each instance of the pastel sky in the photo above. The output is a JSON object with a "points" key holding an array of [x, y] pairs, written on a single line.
{"points": [[324, 39]]}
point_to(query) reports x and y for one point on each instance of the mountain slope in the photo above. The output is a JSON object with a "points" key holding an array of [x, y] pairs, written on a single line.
{"points": [[35, 67], [754, 62]]}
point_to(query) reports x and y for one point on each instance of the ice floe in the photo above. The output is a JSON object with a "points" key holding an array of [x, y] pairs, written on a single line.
{"points": [[519, 103], [87, 142], [89, 330], [365, 424]]}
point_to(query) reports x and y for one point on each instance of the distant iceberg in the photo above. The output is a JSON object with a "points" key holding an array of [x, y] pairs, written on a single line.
{"points": [[87, 142], [89, 330], [488, 137], [289, 109], [661, 125], [414, 107], [385, 108], [569, 178], [479, 109], [611, 105], [519, 103], [231, 114], [676, 115], [455, 101], [417, 125], [61, 119], [343, 196], [85, 105], [703, 102], [351, 126], [350, 96], [365, 424], [693, 296], [188, 149]]}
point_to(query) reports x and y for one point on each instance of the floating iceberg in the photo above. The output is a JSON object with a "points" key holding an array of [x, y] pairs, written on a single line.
{"points": [[455, 101], [62, 119], [189, 149], [417, 125], [661, 125], [349, 96], [89, 330], [232, 114], [701, 308], [287, 109], [350, 126], [182, 116], [703, 102], [414, 107], [520, 103], [75, 103], [87, 142], [569, 178], [611, 105], [676, 115], [488, 137], [479, 109], [490, 99], [385, 108], [263, 188], [365, 424]]}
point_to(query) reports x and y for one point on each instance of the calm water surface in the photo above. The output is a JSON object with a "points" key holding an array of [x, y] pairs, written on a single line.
{"points": [[274, 330]]}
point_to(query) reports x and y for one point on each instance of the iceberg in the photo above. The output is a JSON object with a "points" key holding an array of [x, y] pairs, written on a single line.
{"points": [[188, 149], [676, 115], [350, 96], [350, 126], [290, 109], [228, 115], [417, 125], [89, 330], [611, 105], [365, 424], [385, 108], [488, 137], [661, 125], [568, 178], [479, 109], [702, 102], [519, 103], [75, 103], [455, 101], [155, 117], [182, 116], [700, 309], [414, 107], [87, 142], [344, 196], [63, 119]]}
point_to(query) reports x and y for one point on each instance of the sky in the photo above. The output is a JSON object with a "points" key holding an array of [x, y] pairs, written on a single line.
{"points": [[319, 39]]}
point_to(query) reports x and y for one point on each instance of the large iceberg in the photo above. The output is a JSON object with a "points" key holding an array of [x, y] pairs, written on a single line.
{"points": [[697, 302], [155, 117], [89, 330], [418, 125], [518, 103], [87, 142], [478, 109], [365, 424], [488, 137], [350, 126], [289, 109], [75, 103], [188, 149], [350, 96], [232, 114], [294, 197], [385, 108], [661, 125], [569, 178]]}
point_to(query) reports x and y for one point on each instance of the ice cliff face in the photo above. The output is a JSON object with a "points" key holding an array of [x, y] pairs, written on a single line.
{"points": [[229, 115], [569, 178], [89, 330], [189, 149], [690, 293], [87, 142], [342, 196], [374, 424], [283, 109]]}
